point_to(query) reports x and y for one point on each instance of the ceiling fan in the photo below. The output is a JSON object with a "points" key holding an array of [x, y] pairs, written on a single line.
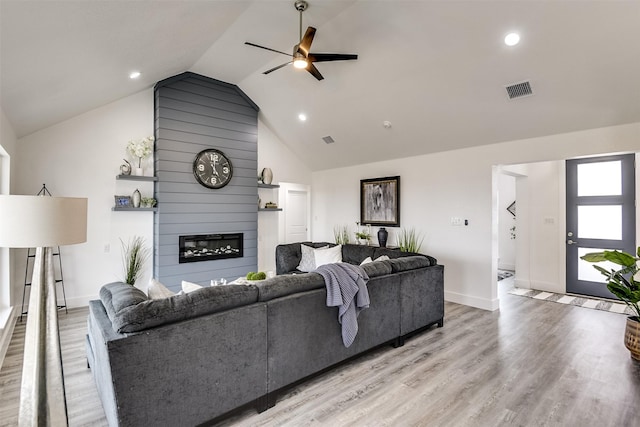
{"points": [[301, 57]]}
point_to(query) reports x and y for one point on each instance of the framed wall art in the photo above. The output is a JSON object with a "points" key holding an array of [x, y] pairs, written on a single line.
{"points": [[380, 201]]}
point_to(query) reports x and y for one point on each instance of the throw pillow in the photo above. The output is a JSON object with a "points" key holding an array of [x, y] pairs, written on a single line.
{"points": [[367, 260], [157, 290], [308, 262], [190, 287], [328, 255]]}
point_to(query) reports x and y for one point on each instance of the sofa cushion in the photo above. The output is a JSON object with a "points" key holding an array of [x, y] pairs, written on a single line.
{"points": [[288, 284], [117, 295], [355, 254], [377, 268], [408, 263], [396, 253], [137, 315]]}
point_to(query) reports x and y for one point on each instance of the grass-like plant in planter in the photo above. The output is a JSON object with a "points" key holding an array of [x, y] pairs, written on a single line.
{"points": [[134, 255], [409, 240], [623, 284]]}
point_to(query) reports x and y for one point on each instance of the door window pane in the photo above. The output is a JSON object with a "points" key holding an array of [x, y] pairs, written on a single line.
{"points": [[600, 179], [586, 270], [600, 222]]}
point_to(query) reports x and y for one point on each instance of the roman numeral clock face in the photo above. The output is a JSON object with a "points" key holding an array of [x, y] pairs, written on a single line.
{"points": [[212, 168]]}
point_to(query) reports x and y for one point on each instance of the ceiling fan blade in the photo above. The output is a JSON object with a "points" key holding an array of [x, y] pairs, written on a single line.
{"points": [[266, 48], [307, 39], [277, 68], [314, 72], [324, 57]]}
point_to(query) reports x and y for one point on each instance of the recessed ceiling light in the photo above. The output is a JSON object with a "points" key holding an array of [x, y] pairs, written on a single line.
{"points": [[302, 117], [134, 75], [512, 39]]}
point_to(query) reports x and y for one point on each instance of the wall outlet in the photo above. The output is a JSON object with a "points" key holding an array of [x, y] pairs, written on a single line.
{"points": [[107, 248], [456, 221]]}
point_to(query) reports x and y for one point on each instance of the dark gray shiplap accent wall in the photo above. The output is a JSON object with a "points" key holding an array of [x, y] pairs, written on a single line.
{"points": [[193, 113]]}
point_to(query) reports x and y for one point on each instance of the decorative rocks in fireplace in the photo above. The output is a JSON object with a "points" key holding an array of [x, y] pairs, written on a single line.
{"points": [[206, 247]]}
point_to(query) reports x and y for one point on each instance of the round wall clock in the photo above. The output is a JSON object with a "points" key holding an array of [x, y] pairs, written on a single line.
{"points": [[212, 168]]}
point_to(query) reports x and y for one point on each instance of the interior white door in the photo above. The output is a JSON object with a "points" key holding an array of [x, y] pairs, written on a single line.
{"points": [[296, 213]]}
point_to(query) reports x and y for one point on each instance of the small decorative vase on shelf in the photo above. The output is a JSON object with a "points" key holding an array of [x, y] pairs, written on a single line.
{"points": [[139, 172], [135, 199], [382, 237], [267, 176], [125, 168]]}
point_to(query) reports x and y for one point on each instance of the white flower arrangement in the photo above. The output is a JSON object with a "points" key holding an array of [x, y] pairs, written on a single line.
{"points": [[141, 148]]}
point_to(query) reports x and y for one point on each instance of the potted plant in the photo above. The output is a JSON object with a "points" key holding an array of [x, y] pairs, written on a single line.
{"points": [[623, 284], [134, 255], [409, 240]]}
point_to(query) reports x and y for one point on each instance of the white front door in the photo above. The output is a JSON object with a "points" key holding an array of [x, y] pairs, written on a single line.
{"points": [[600, 215]]}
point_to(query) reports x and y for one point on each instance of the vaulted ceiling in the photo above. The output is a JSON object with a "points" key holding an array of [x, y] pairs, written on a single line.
{"points": [[436, 70]]}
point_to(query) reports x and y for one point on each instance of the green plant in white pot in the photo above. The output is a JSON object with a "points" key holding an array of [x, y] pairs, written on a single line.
{"points": [[623, 284], [134, 255]]}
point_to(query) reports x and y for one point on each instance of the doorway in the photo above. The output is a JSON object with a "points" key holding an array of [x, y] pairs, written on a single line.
{"points": [[600, 214]]}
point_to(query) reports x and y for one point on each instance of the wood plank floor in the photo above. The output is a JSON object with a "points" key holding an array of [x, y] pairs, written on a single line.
{"points": [[533, 363]]}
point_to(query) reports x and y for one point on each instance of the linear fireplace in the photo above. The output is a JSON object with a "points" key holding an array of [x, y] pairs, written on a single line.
{"points": [[206, 247]]}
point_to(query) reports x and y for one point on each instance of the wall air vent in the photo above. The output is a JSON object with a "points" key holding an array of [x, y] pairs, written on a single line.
{"points": [[328, 140], [518, 90]]}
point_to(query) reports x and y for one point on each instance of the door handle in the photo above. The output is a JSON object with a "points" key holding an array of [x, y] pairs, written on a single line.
{"points": [[571, 242]]}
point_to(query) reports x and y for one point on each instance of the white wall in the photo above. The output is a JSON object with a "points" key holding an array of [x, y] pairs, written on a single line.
{"points": [[286, 167], [458, 183], [80, 157]]}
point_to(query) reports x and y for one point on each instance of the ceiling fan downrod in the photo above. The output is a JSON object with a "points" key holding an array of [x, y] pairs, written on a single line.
{"points": [[301, 6]]}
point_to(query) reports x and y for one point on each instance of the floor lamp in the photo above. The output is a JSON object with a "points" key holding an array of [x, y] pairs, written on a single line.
{"points": [[42, 222]]}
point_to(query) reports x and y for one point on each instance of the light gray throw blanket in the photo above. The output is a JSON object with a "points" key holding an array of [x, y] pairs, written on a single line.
{"points": [[346, 289]]}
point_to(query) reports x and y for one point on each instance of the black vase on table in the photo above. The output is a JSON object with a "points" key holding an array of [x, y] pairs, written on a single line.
{"points": [[382, 237]]}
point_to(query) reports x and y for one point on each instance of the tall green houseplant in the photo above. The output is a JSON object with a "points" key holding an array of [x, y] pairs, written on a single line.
{"points": [[623, 284], [134, 256]]}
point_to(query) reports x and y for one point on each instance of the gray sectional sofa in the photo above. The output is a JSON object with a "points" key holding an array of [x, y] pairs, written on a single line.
{"points": [[190, 359]]}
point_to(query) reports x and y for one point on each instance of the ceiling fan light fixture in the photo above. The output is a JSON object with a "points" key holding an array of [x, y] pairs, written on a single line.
{"points": [[300, 62]]}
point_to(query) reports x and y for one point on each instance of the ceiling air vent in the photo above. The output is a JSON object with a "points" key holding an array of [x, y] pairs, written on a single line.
{"points": [[518, 90], [328, 140]]}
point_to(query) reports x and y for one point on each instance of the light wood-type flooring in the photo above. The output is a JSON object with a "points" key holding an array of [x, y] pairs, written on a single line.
{"points": [[532, 363]]}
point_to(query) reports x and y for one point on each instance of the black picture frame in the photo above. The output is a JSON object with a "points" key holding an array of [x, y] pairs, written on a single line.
{"points": [[380, 201], [512, 208], [123, 201]]}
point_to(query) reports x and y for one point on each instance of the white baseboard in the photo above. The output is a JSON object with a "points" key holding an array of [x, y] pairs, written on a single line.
{"points": [[482, 303], [548, 287], [6, 333]]}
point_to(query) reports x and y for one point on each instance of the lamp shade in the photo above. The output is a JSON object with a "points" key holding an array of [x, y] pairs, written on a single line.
{"points": [[42, 221]]}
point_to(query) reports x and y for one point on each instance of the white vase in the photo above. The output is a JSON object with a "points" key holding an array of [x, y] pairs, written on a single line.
{"points": [[135, 199], [139, 171]]}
